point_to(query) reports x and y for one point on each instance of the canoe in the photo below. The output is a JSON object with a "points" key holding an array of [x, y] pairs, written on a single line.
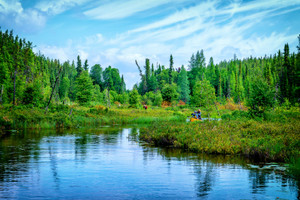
{"points": [[192, 119]]}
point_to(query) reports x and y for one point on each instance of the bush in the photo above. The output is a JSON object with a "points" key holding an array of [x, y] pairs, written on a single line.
{"points": [[261, 98]]}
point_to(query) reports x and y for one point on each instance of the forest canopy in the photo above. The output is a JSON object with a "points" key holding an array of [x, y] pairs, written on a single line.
{"points": [[28, 78]]}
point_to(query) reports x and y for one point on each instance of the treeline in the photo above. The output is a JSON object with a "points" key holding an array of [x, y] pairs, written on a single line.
{"points": [[31, 79], [203, 84]]}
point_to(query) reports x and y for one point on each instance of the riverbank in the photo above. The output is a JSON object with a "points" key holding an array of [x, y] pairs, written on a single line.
{"points": [[66, 117], [262, 140]]}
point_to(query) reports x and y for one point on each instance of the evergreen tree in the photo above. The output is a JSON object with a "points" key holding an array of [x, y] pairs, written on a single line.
{"points": [[204, 94], [84, 88], [86, 65], [96, 75], [64, 88], [134, 99], [183, 86], [169, 93], [261, 97], [147, 73], [158, 98], [79, 66], [171, 69]]}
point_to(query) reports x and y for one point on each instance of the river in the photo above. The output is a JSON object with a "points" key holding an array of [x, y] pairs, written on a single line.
{"points": [[110, 163]]}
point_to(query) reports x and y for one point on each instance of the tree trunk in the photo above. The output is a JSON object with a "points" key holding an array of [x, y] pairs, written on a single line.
{"points": [[240, 104], [1, 94], [217, 108], [53, 88], [71, 112], [108, 102]]}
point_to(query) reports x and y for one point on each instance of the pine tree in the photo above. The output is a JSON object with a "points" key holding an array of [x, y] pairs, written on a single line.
{"points": [[171, 69], [147, 73], [86, 65], [97, 76], [84, 88], [204, 94], [79, 66], [183, 86]]}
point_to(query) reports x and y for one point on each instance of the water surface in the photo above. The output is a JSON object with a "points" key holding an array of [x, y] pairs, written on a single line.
{"points": [[109, 163]]}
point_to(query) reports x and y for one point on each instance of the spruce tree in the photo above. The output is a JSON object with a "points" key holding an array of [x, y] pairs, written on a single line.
{"points": [[79, 66], [171, 69], [86, 65], [183, 86]]}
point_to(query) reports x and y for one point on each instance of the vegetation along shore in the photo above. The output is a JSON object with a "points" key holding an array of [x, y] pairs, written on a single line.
{"points": [[256, 98]]}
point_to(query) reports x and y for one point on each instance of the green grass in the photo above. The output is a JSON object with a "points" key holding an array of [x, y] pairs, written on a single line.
{"points": [[58, 116], [267, 141]]}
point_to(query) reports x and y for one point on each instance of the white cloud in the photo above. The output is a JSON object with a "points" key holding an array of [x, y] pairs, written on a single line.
{"points": [[10, 6], [203, 9], [121, 9], [55, 7], [13, 15], [131, 78], [54, 52], [221, 31]]}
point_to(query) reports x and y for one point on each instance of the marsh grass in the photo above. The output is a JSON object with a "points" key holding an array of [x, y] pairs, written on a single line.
{"points": [[61, 117], [266, 141]]}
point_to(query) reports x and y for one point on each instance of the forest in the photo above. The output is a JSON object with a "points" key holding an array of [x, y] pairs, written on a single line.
{"points": [[256, 98], [32, 79]]}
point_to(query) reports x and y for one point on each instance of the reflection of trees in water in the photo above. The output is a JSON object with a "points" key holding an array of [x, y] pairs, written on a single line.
{"points": [[133, 134], [15, 153], [53, 164], [205, 177], [259, 181], [206, 169], [81, 146], [85, 139]]}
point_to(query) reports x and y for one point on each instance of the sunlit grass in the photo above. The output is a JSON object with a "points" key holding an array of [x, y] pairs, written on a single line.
{"points": [[262, 140]]}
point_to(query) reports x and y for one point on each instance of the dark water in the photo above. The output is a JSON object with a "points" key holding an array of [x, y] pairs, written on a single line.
{"points": [[110, 164]]}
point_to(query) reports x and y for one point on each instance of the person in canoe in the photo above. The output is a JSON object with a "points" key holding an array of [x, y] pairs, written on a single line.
{"points": [[145, 107], [196, 115]]}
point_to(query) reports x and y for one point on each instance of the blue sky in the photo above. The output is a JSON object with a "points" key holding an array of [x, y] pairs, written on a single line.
{"points": [[118, 32]]}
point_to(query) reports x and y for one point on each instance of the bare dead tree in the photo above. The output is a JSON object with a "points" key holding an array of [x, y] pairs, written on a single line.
{"points": [[53, 89]]}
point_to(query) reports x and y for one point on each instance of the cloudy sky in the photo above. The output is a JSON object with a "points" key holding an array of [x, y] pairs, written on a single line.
{"points": [[116, 32]]}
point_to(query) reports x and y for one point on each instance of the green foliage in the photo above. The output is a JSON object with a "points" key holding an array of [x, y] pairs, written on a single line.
{"points": [[33, 95], [84, 88], [96, 75], [64, 88], [183, 86], [203, 94], [158, 99], [134, 99], [264, 141], [261, 98], [169, 92]]}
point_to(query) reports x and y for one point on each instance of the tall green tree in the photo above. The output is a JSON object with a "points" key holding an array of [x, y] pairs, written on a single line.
{"points": [[183, 86], [86, 65], [169, 93], [84, 88], [97, 75], [64, 88], [134, 99], [171, 69], [147, 73], [204, 94], [79, 68], [261, 97]]}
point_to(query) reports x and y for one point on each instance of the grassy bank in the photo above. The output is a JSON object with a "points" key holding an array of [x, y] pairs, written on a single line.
{"points": [[264, 140], [63, 116]]}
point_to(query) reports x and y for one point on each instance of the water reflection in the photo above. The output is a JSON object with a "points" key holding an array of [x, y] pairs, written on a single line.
{"points": [[111, 163]]}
